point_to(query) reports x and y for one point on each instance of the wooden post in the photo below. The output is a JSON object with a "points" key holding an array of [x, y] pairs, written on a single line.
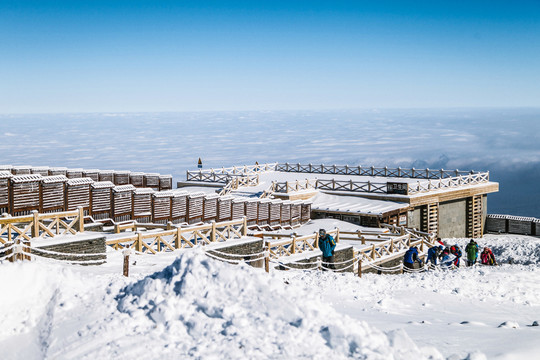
{"points": [[35, 224], [139, 242], [267, 258], [81, 218], [337, 235], [178, 240], [359, 267], [116, 229], [169, 225], [316, 243], [213, 232], [244, 227], [126, 253], [373, 252], [293, 245]]}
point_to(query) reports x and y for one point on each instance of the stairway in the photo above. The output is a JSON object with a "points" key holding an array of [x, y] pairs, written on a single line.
{"points": [[474, 216]]}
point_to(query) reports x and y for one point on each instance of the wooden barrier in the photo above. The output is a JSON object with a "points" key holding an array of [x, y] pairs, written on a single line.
{"points": [[121, 177], [78, 194], [123, 202], [195, 207], [210, 207], [224, 208], [179, 237], [179, 207], [25, 228], [101, 199], [5, 177], [52, 193], [24, 194], [161, 207], [91, 173]]}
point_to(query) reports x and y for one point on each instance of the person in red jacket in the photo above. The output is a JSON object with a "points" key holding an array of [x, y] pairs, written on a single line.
{"points": [[487, 257]]}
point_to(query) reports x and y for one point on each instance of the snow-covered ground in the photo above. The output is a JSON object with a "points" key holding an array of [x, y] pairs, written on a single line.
{"points": [[186, 305]]}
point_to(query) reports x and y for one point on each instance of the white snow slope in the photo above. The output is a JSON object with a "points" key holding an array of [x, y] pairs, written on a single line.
{"points": [[186, 305]]}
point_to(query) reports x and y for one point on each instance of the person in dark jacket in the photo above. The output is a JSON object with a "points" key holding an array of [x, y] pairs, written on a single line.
{"points": [[327, 244], [411, 258], [433, 254], [472, 252]]}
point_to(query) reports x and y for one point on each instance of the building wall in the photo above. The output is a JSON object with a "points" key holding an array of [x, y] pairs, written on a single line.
{"points": [[414, 219], [453, 219]]}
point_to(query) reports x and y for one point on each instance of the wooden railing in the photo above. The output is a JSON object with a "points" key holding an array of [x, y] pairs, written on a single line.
{"points": [[234, 170], [286, 245], [381, 188], [372, 171], [239, 181], [431, 185], [25, 228], [179, 238], [207, 177]]}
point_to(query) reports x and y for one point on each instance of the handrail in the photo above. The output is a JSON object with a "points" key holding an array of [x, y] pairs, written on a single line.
{"points": [[237, 170], [381, 188], [373, 171]]}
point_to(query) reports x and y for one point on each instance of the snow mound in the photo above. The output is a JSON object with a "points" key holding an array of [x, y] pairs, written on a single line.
{"points": [[509, 325], [202, 308], [513, 249]]}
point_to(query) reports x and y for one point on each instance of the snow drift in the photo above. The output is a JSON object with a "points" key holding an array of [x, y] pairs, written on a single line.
{"points": [[206, 309]]}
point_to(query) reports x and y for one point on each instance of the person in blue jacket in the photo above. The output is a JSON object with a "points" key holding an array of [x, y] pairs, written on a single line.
{"points": [[433, 254], [411, 258], [327, 244]]}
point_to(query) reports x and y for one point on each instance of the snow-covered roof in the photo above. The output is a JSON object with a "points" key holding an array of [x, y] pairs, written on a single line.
{"points": [[102, 185], [142, 191], [123, 188], [354, 205], [5, 174], [80, 181], [54, 179], [26, 178]]}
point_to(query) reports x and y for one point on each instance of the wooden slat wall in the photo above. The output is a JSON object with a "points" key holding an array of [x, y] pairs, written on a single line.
{"points": [[286, 213], [238, 208], [101, 200], [77, 195], [106, 175], [121, 177], [57, 171], [161, 207], [210, 208], [53, 195], [306, 212], [296, 209], [92, 174], [275, 212], [142, 205], [21, 170], [74, 173], [179, 208], [224, 208], [195, 208], [24, 197], [136, 179], [151, 181], [4, 191], [252, 211], [41, 170], [264, 212], [165, 182], [122, 202]]}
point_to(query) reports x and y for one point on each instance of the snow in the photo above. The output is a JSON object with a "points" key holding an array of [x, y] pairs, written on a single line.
{"points": [[354, 204], [184, 304]]}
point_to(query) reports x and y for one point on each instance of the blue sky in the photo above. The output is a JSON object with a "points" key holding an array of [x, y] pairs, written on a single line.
{"points": [[132, 56]]}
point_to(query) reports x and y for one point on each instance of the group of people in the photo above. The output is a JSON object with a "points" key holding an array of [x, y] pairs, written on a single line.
{"points": [[449, 256]]}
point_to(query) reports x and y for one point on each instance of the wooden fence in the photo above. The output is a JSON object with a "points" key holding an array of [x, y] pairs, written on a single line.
{"points": [[372, 171], [23, 228], [237, 170], [380, 188], [180, 237], [239, 181]]}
